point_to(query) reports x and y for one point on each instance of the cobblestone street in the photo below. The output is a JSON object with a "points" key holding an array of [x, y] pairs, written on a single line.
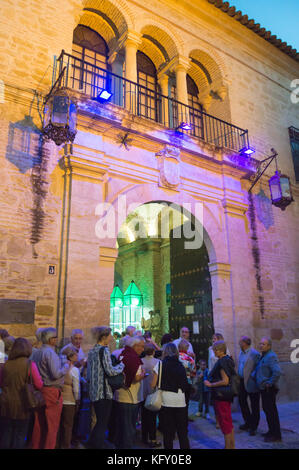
{"points": [[204, 435]]}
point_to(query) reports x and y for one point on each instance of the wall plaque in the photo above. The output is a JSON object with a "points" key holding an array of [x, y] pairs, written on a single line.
{"points": [[189, 309], [16, 311]]}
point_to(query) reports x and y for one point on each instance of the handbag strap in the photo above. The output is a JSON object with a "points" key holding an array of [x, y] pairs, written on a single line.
{"points": [[160, 375]]}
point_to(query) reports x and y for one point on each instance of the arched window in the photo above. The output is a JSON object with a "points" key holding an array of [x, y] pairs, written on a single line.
{"points": [[90, 53], [196, 111], [147, 91]]}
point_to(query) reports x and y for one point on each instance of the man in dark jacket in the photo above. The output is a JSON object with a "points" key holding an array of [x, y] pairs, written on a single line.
{"points": [[267, 375]]}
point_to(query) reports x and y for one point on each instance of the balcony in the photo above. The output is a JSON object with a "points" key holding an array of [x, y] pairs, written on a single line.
{"points": [[89, 79]]}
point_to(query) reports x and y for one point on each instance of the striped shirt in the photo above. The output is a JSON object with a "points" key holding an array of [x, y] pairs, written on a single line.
{"points": [[95, 374]]}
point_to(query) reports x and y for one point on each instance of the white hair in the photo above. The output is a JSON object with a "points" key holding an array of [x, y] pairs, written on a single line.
{"points": [[47, 334], [38, 334], [130, 328], [134, 340], [137, 333], [77, 332]]}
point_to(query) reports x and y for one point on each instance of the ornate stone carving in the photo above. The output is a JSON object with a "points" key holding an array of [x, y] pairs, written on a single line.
{"points": [[169, 166]]}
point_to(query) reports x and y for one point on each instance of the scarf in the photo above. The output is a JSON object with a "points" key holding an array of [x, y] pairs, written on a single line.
{"points": [[132, 361]]}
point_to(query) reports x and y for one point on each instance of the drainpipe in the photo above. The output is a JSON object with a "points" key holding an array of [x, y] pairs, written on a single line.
{"points": [[64, 240]]}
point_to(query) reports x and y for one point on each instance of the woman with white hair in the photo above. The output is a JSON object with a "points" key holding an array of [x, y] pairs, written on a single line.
{"points": [[128, 398], [130, 330]]}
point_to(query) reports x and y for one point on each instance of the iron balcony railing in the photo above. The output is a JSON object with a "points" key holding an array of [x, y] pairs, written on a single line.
{"points": [[148, 103]]}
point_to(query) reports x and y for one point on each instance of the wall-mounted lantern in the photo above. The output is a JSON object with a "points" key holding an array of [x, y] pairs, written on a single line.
{"points": [[280, 187], [60, 118]]}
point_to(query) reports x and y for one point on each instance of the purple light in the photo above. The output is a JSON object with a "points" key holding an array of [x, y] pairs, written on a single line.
{"points": [[185, 126], [103, 95], [247, 150]]}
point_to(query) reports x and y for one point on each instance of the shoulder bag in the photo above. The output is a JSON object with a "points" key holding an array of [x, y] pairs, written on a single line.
{"points": [[153, 401], [33, 398], [224, 392], [115, 381]]}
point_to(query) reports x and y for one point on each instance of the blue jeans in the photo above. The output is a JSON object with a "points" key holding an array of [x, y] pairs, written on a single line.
{"points": [[204, 398], [13, 433]]}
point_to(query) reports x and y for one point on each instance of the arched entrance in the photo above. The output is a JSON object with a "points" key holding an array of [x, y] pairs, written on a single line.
{"points": [[172, 277], [191, 294]]}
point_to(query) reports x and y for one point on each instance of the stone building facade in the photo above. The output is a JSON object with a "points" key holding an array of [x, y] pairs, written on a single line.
{"points": [[184, 54]]}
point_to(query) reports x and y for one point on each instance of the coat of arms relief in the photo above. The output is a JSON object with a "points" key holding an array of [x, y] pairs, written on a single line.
{"points": [[169, 165]]}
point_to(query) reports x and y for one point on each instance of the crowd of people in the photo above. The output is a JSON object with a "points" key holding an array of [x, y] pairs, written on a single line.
{"points": [[99, 399]]}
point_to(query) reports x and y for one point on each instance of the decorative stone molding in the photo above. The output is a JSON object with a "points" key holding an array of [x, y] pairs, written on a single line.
{"points": [[169, 166], [129, 37], [83, 168], [206, 102], [247, 164], [181, 62], [222, 270], [108, 256], [236, 208], [222, 92], [178, 62]]}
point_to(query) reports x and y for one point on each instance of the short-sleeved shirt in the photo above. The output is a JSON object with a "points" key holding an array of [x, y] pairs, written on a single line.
{"points": [[171, 399]]}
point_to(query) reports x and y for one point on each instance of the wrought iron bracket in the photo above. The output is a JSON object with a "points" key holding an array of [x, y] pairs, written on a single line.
{"points": [[55, 85], [262, 167]]}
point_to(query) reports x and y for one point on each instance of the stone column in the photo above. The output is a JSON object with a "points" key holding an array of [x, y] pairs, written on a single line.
{"points": [[131, 44], [181, 68], [117, 62], [239, 257], [163, 82], [222, 300], [84, 282]]}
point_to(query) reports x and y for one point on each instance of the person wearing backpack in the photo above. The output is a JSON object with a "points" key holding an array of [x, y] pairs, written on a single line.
{"points": [[220, 382], [99, 369]]}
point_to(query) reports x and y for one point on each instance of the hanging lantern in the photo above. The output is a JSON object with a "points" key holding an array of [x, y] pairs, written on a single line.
{"points": [[133, 307], [280, 188], [116, 309], [60, 118]]}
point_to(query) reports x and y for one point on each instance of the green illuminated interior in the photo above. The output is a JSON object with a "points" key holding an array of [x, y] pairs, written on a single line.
{"points": [[126, 309]]}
